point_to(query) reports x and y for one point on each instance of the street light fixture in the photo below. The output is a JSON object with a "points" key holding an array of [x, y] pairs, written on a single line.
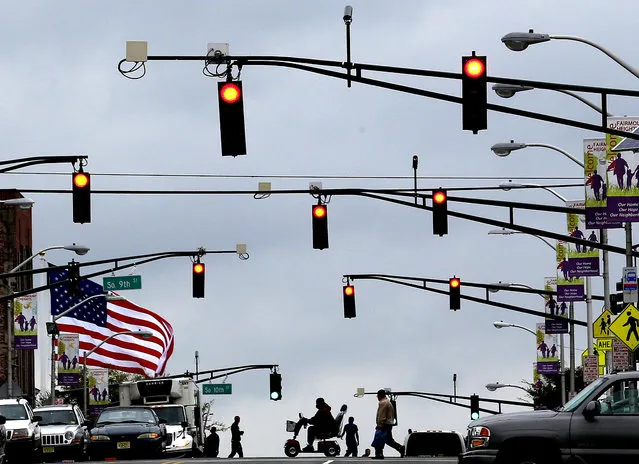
{"points": [[78, 249], [145, 334], [494, 386], [504, 231], [510, 185], [504, 149], [509, 90], [502, 324], [519, 41], [22, 203], [52, 329]]}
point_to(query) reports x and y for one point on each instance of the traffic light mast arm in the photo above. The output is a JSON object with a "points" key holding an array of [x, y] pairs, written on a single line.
{"points": [[33, 160], [302, 65], [440, 397], [224, 371], [137, 261], [469, 298]]}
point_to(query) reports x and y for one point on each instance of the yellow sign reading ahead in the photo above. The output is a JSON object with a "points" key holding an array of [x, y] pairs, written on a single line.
{"points": [[601, 326], [604, 344], [626, 327]]}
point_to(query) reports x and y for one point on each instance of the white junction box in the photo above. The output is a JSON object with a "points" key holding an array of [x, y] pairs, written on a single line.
{"points": [[137, 51], [217, 49]]}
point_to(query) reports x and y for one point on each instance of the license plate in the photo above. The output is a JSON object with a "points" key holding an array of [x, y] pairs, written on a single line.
{"points": [[124, 445], [48, 449]]}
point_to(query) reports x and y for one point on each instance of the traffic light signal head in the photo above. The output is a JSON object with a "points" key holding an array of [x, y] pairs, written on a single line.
{"points": [[74, 279], [349, 301], [231, 105], [440, 212], [320, 227], [474, 407], [198, 279], [81, 192], [474, 109], [276, 386], [454, 290]]}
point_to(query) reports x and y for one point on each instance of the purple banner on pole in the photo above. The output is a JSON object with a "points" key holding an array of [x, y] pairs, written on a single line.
{"points": [[68, 379], [570, 292], [623, 209], [26, 342], [554, 326], [584, 267], [548, 367]]}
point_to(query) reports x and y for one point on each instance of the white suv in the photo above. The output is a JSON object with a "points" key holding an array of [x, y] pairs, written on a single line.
{"points": [[24, 442], [64, 432]]}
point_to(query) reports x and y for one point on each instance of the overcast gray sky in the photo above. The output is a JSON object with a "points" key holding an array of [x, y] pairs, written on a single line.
{"points": [[62, 94]]}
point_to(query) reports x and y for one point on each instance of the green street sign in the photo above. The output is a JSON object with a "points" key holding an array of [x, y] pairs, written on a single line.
{"points": [[132, 282], [217, 389]]}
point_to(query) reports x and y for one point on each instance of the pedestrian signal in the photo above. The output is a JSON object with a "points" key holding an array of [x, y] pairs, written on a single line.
{"points": [[198, 280], [81, 192], [320, 227], [231, 105], [474, 109], [474, 407], [349, 301], [454, 290], [440, 212], [276, 386]]}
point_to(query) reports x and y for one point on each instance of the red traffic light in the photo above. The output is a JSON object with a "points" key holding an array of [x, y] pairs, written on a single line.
{"points": [[439, 197], [80, 179], [230, 92], [198, 268], [319, 211], [474, 68], [454, 282], [349, 290]]}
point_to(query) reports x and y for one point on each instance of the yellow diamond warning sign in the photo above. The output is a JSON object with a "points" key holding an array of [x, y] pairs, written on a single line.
{"points": [[601, 326], [626, 327]]}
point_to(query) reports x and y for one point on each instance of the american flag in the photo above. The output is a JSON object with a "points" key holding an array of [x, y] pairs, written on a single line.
{"points": [[97, 319]]}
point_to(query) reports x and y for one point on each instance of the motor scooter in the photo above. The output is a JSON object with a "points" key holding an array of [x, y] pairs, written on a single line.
{"points": [[330, 448]]}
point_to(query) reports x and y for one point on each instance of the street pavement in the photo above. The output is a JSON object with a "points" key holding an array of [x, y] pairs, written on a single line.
{"points": [[305, 460]]}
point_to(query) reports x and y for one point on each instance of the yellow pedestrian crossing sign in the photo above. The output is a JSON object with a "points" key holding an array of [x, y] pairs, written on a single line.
{"points": [[601, 326], [626, 326]]}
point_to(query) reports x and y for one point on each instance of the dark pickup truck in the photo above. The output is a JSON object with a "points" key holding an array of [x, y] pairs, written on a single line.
{"points": [[600, 425]]}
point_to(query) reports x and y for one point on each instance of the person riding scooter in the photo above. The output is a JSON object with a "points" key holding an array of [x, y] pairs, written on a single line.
{"points": [[322, 422]]}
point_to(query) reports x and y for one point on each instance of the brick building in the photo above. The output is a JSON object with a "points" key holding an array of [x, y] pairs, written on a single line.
{"points": [[15, 247]]}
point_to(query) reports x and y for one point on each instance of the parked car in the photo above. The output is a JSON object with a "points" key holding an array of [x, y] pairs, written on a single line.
{"points": [[24, 443], [434, 443], [599, 425], [127, 432], [64, 432]]}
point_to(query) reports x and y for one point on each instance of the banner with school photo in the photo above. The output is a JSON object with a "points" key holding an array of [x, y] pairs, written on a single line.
{"points": [[98, 385], [622, 200], [552, 306], [547, 352], [25, 325], [597, 178], [583, 260], [569, 288], [68, 359]]}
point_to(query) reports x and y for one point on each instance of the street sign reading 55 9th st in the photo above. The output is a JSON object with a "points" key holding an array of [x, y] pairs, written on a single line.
{"points": [[132, 282]]}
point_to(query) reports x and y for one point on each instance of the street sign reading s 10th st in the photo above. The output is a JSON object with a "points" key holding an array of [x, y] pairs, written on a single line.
{"points": [[217, 389], [132, 282]]}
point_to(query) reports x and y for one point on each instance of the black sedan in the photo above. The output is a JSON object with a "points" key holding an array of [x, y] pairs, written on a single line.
{"points": [[127, 432]]}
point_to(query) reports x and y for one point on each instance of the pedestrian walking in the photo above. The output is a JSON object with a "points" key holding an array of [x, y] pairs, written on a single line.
{"points": [[352, 438], [236, 437], [212, 444], [384, 420]]}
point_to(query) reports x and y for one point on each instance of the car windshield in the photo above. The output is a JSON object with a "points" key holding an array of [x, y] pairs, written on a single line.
{"points": [[582, 395], [13, 412], [174, 416], [112, 416], [57, 417]]}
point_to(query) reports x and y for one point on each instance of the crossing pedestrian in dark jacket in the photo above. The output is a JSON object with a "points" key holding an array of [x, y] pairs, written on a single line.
{"points": [[236, 437]]}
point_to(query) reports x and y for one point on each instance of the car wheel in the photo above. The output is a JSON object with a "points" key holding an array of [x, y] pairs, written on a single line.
{"points": [[331, 451], [291, 451]]}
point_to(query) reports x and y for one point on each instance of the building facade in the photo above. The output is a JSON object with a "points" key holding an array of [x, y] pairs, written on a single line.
{"points": [[15, 247]]}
